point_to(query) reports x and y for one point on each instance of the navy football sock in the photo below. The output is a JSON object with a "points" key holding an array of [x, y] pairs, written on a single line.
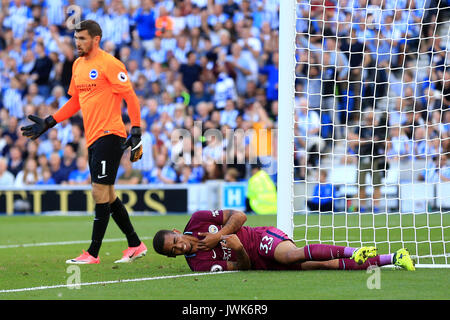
{"points": [[122, 219], [102, 212]]}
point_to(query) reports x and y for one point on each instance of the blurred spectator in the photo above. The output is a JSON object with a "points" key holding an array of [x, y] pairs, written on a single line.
{"points": [[368, 141], [162, 172], [437, 170], [29, 174], [16, 163], [149, 111], [59, 174], [43, 162], [145, 19], [444, 168], [78, 140], [18, 15], [12, 99], [444, 87], [81, 174], [229, 115], [158, 53], [308, 129], [188, 175], [399, 146], [225, 88], [245, 68], [180, 93], [40, 73], [231, 175], [397, 116], [142, 88], [164, 23], [129, 175], [57, 97], [202, 111], [270, 70], [46, 177], [133, 70], [324, 194], [10, 134], [190, 71], [420, 143], [213, 151], [147, 161], [46, 145], [167, 105], [198, 94], [179, 115], [6, 177], [261, 192], [32, 96], [64, 132], [31, 150], [213, 171], [158, 140], [69, 160]]}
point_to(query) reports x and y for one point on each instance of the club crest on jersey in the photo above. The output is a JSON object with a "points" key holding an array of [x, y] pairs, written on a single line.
{"points": [[122, 77], [93, 74], [213, 229]]}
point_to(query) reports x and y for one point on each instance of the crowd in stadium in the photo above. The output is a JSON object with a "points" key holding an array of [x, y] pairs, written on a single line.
{"points": [[377, 73], [213, 64]]}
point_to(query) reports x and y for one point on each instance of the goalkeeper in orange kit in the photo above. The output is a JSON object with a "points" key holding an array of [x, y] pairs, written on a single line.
{"points": [[98, 85]]}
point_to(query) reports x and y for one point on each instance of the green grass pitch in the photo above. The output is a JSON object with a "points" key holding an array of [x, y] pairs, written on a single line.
{"points": [[161, 278]]}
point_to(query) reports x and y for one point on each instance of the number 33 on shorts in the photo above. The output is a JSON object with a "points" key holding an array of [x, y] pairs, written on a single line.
{"points": [[266, 244]]}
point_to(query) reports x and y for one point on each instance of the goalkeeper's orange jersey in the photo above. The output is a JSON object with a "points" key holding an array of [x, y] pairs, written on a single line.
{"points": [[98, 85]]}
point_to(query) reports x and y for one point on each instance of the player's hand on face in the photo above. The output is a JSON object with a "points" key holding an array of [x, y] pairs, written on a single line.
{"points": [[210, 241], [231, 241]]}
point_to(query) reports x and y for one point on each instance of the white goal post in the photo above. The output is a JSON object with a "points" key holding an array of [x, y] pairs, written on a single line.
{"points": [[364, 125], [286, 103]]}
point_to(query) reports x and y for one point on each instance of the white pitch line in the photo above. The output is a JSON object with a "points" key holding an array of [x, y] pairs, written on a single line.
{"points": [[43, 244], [113, 282]]}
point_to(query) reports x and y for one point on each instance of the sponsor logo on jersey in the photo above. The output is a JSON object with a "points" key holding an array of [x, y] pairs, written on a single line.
{"points": [[226, 253], [93, 74], [122, 77], [215, 213]]}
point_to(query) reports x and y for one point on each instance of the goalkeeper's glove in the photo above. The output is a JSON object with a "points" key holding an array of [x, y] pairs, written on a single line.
{"points": [[40, 126], [134, 141]]}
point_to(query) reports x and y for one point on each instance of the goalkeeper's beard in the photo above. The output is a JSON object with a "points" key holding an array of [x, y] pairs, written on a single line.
{"points": [[82, 53]]}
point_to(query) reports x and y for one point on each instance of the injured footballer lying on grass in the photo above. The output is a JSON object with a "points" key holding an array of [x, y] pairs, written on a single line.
{"points": [[217, 240]]}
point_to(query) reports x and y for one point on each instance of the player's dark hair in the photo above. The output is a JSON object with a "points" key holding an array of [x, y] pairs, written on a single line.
{"points": [[92, 27], [158, 241]]}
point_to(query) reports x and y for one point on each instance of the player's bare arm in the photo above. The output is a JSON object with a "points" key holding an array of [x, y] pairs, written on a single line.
{"points": [[233, 220], [242, 259]]}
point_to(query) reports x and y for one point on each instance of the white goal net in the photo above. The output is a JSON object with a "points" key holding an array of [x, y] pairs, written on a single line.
{"points": [[364, 124]]}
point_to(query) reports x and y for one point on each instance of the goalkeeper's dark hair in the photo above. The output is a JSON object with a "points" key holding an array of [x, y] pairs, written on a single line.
{"points": [[158, 241], [92, 27]]}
